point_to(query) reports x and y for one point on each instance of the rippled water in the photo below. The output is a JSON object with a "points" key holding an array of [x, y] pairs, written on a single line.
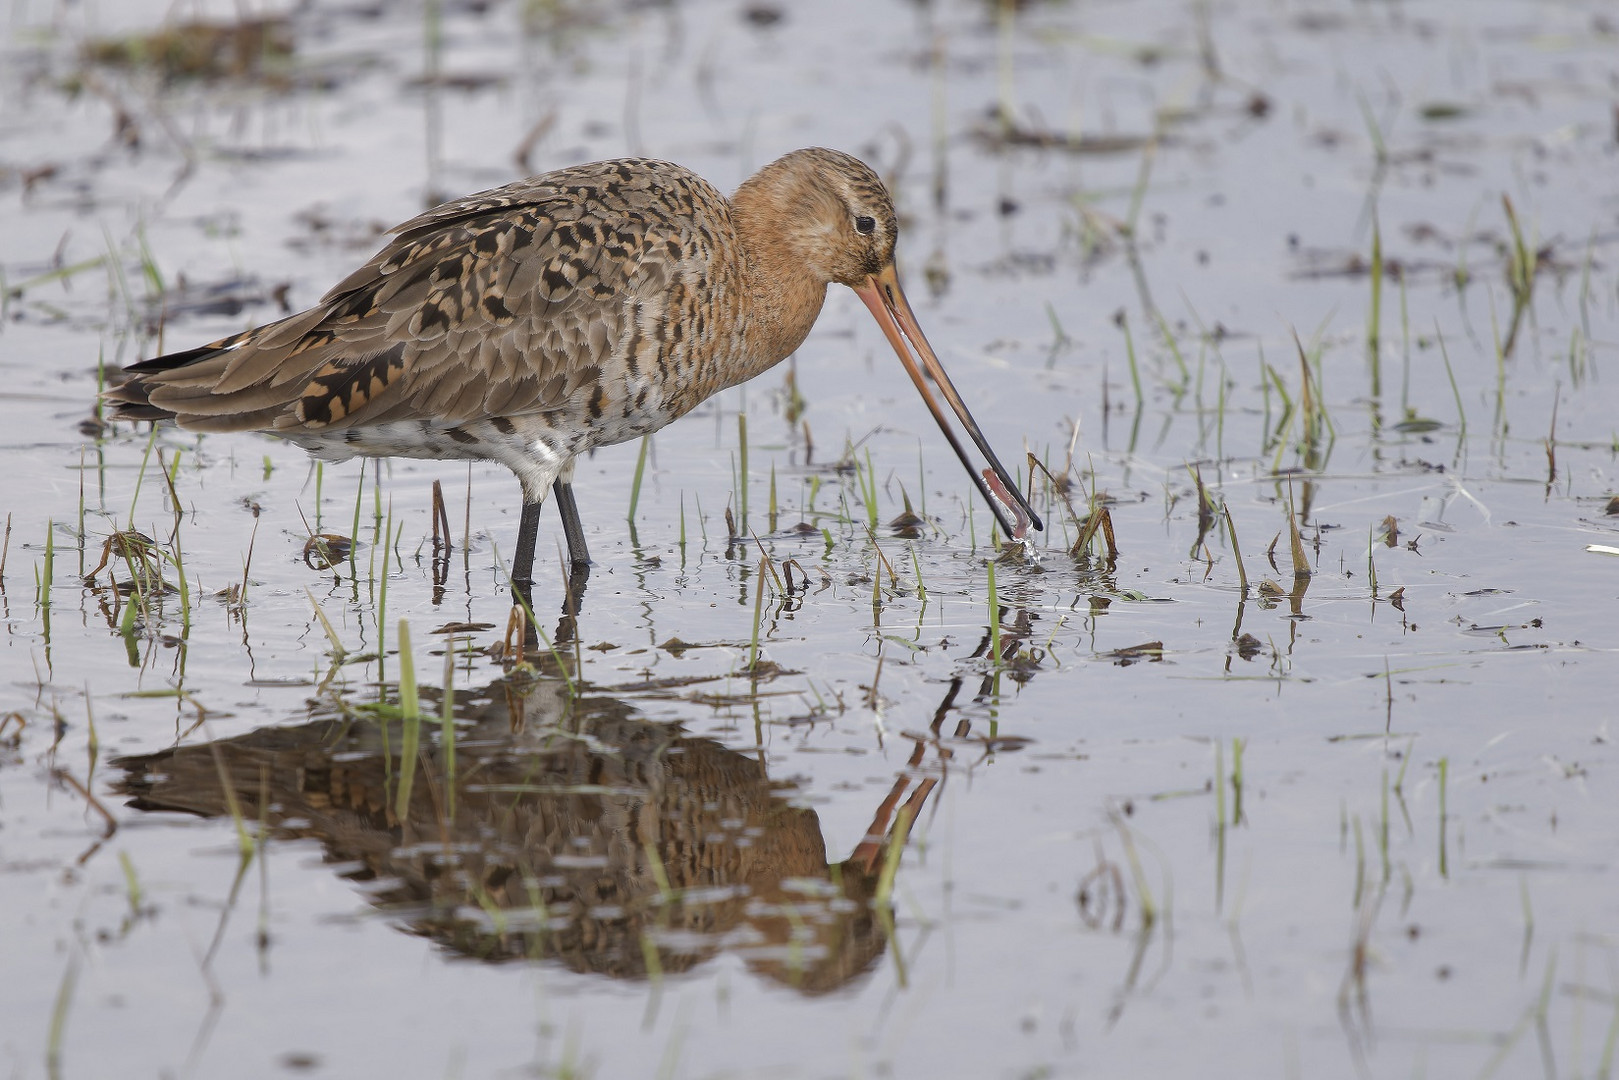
{"points": [[1359, 822]]}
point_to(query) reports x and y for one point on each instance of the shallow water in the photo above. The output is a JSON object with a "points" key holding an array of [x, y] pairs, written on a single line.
{"points": [[1322, 827]]}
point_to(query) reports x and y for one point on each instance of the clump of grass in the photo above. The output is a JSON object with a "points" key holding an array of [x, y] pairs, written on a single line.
{"points": [[1099, 522], [867, 479]]}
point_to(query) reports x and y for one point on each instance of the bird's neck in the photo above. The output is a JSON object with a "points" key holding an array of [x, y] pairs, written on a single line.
{"points": [[784, 290]]}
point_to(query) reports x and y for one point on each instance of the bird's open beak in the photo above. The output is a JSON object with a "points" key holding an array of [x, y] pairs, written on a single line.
{"points": [[882, 294]]}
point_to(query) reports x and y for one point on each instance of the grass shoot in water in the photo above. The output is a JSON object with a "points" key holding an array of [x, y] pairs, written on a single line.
{"points": [[994, 617], [354, 528], [635, 484], [742, 476]]}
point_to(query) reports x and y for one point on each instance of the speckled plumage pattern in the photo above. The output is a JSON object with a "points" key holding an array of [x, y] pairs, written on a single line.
{"points": [[529, 323], [524, 325]]}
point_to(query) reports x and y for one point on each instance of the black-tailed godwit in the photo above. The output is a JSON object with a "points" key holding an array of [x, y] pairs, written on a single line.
{"points": [[584, 307]]}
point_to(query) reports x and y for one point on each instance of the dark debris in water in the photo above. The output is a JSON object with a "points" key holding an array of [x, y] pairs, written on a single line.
{"points": [[907, 525], [463, 628], [325, 550], [229, 297], [763, 15], [1000, 134], [1134, 654], [467, 82], [322, 232]]}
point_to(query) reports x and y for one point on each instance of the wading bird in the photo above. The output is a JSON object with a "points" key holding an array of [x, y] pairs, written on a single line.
{"points": [[584, 307]]}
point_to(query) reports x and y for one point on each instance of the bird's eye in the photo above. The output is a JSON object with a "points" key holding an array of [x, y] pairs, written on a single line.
{"points": [[865, 225]]}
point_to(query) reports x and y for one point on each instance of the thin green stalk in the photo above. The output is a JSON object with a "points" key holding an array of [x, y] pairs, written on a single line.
{"points": [[389, 539], [1135, 368], [48, 575], [1371, 562], [884, 895], [1174, 350], [772, 496], [354, 529], [635, 484], [59, 1010], [178, 559], [1405, 351], [994, 617], [1455, 390], [742, 437], [1138, 193], [338, 651], [1236, 548], [758, 615], [1238, 747], [869, 488], [146, 456], [132, 885], [1383, 829]]}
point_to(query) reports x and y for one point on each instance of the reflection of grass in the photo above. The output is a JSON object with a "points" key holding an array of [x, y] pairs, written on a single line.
{"points": [[411, 715]]}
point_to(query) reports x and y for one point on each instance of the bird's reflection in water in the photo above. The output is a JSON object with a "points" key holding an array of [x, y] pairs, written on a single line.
{"points": [[572, 828]]}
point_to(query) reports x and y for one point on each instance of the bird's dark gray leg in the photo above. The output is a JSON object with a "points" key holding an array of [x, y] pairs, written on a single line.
{"points": [[523, 562], [572, 528]]}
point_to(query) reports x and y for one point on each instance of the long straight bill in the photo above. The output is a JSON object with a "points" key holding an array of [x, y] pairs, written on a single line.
{"points": [[886, 301]]}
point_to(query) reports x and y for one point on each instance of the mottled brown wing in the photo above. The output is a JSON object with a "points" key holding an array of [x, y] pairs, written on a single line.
{"points": [[503, 303]]}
